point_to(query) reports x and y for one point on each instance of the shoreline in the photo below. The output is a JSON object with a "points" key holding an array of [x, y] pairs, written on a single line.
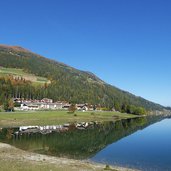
{"points": [[25, 160]]}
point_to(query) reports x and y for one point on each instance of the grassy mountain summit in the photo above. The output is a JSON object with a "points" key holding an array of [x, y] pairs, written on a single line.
{"points": [[67, 83]]}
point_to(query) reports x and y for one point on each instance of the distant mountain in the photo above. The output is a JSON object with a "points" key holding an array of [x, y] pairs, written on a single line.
{"points": [[67, 83]]}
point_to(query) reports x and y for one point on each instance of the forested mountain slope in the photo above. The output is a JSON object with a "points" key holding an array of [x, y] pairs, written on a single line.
{"points": [[67, 83]]}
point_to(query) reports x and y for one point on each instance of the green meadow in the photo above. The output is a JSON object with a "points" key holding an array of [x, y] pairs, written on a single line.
{"points": [[36, 80], [12, 119]]}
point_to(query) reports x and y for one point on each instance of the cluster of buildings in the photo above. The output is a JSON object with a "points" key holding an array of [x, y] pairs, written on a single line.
{"points": [[47, 104]]}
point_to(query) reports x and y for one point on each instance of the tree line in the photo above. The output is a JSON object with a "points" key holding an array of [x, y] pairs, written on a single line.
{"points": [[20, 88]]}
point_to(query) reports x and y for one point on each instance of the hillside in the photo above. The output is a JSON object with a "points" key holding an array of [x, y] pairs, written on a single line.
{"points": [[67, 83], [20, 74]]}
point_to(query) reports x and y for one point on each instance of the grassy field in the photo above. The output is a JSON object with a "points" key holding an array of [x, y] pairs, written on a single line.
{"points": [[56, 117], [20, 73]]}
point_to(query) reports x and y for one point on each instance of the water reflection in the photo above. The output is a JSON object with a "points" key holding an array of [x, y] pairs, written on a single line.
{"points": [[74, 143], [148, 149]]}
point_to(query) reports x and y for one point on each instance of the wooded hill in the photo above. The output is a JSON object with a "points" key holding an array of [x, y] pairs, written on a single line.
{"points": [[67, 83]]}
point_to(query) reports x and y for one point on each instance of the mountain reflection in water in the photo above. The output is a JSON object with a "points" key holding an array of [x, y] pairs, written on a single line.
{"points": [[78, 144]]}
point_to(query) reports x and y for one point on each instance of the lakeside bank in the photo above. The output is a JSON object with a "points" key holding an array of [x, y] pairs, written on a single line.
{"points": [[12, 158]]}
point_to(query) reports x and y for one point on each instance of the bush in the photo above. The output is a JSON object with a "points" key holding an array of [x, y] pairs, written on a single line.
{"points": [[72, 108]]}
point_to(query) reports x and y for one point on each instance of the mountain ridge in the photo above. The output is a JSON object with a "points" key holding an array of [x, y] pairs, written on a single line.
{"points": [[69, 83], [21, 49]]}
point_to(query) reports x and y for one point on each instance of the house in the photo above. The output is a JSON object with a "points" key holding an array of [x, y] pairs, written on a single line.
{"points": [[46, 100], [82, 107], [59, 105], [47, 104], [37, 105], [53, 106], [66, 106], [29, 106]]}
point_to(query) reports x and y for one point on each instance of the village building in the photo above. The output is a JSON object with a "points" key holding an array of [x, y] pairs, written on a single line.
{"points": [[44, 104], [82, 107], [46, 100], [66, 106], [40, 106], [47, 104]]}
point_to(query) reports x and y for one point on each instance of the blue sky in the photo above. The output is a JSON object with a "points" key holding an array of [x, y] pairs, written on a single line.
{"points": [[126, 43]]}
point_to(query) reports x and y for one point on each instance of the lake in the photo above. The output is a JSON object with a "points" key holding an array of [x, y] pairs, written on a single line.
{"points": [[142, 143], [147, 149]]}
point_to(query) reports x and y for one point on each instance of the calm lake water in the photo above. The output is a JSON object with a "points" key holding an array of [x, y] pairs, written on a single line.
{"points": [[142, 143], [148, 149]]}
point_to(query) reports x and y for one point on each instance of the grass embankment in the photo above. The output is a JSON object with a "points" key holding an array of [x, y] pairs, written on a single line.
{"points": [[14, 119]]}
